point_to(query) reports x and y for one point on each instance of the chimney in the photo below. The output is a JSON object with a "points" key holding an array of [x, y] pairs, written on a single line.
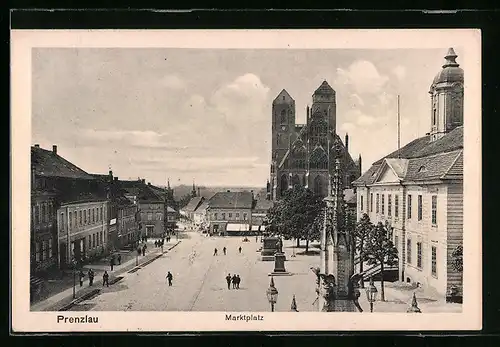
{"points": [[111, 173], [54, 149], [116, 178], [143, 181], [347, 142], [37, 145], [199, 192], [149, 183]]}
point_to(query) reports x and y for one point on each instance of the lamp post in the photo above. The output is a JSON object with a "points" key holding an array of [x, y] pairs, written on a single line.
{"points": [[272, 294], [293, 307], [73, 262], [371, 293], [414, 306]]}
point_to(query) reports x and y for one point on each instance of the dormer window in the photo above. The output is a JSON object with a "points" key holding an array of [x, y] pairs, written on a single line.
{"points": [[422, 169]]}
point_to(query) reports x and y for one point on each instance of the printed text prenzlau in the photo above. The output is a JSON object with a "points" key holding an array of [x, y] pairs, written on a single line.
{"points": [[77, 320]]}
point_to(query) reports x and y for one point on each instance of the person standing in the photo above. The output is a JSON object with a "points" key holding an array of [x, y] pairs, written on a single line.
{"points": [[119, 259], [224, 250], [238, 280], [81, 275], [215, 251], [234, 281], [239, 249], [112, 262], [144, 250], [91, 277], [228, 280], [105, 279], [169, 278]]}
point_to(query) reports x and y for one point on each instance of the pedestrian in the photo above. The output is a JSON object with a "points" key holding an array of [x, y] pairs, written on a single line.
{"points": [[215, 251], [228, 280], [156, 244], [233, 279], [238, 280], [112, 262], [224, 250], [81, 275], [105, 279], [144, 250], [169, 278], [239, 249], [119, 259], [256, 238], [91, 277]]}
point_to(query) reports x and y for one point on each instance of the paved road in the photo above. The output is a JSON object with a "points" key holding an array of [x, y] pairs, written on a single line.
{"points": [[199, 281]]}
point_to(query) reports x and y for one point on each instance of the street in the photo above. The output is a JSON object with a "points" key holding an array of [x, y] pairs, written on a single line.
{"points": [[199, 280]]}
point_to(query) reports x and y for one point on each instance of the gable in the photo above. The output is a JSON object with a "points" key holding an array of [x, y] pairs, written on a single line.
{"points": [[387, 176]]}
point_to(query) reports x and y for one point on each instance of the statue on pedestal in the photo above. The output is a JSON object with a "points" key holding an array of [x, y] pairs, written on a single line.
{"points": [[279, 246]]}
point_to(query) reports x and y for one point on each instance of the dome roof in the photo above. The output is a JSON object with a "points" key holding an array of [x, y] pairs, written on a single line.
{"points": [[324, 88], [451, 71]]}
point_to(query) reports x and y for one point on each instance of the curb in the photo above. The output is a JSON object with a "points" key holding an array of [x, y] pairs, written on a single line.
{"points": [[140, 266]]}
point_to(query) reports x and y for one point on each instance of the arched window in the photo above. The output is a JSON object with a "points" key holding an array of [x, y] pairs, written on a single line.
{"points": [[283, 184], [283, 117], [319, 159], [318, 185], [295, 181]]}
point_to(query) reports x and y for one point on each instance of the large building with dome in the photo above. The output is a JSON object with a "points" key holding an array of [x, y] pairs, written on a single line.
{"points": [[418, 191], [300, 152]]}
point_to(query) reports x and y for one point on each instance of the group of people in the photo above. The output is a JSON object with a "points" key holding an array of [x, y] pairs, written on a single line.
{"points": [[112, 260], [142, 250], [91, 274], [235, 280], [224, 250]]}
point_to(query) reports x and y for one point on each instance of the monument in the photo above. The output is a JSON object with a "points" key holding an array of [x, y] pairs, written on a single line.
{"points": [[270, 247], [279, 260], [337, 285]]}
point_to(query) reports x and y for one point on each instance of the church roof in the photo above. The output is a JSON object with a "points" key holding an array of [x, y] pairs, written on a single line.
{"points": [[193, 204], [451, 71], [324, 88], [282, 94]]}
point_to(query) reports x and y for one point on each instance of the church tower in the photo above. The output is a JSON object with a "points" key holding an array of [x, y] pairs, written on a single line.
{"points": [[447, 97]]}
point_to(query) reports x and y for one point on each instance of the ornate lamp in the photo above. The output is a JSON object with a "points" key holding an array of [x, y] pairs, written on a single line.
{"points": [[272, 294], [371, 293], [293, 307], [414, 306]]}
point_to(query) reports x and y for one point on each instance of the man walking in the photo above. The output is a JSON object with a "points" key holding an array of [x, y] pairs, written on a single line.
{"points": [[91, 277], [112, 262], [215, 251], [105, 279], [81, 275], [239, 249], [119, 259], [238, 280], [234, 281], [228, 280], [169, 278], [224, 250]]}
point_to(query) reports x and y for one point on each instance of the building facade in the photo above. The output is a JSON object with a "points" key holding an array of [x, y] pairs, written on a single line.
{"points": [[301, 152], [200, 214], [230, 213], [418, 191]]}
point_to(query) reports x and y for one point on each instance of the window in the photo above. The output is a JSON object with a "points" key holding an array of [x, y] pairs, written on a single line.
{"points": [[377, 207], [215, 216], [434, 261], [93, 215], [80, 216], [434, 118], [90, 242], [383, 204], [75, 219], [50, 248], [396, 206], [419, 255], [237, 216], [389, 205], [37, 252], [84, 216], [371, 202], [419, 207], [44, 215], [244, 216], [283, 117], [70, 220], [88, 220], [361, 203], [101, 214], [230, 215], [223, 216], [62, 221], [396, 242], [37, 214], [408, 251], [434, 209], [158, 216], [93, 240], [150, 216], [409, 206], [45, 248]]}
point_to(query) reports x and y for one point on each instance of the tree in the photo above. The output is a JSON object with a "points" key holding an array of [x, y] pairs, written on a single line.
{"points": [[295, 215], [361, 232], [458, 260], [380, 250]]}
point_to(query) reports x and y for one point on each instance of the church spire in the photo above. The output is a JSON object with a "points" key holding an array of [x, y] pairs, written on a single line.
{"points": [[450, 58], [193, 192]]}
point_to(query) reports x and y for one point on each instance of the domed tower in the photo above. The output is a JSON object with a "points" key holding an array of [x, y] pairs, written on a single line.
{"points": [[447, 97]]}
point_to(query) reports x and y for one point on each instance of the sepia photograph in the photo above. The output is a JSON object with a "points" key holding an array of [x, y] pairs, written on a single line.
{"points": [[248, 180]]}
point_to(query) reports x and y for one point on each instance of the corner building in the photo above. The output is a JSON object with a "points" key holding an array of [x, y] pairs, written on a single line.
{"points": [[418, 190], [300, 151]]}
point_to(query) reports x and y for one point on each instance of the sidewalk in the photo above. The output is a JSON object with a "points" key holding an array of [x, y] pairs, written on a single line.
{"points": [[67, 295]]}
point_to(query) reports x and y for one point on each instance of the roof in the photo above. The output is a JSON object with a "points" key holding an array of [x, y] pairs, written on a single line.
{"points": [[451, 71], [324, 88], [263, 204], [48, 164], [283, 97], [193, 204], [203, 206], [231, 200], [170, 209]]}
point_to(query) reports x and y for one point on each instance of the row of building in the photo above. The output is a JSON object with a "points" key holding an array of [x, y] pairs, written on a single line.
{"points": [[77, 216], [228, 213]]}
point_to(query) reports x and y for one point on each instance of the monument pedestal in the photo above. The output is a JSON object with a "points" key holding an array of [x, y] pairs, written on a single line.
{"points": [[279, 265]]}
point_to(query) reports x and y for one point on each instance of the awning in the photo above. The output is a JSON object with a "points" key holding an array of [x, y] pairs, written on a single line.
{"points": [[237, 227]]}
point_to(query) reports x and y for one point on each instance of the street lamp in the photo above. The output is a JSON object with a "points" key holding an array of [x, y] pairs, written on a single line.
{"points": [[414, 306], [73, 262], [272, 294], [371, 293], [293, 307]]}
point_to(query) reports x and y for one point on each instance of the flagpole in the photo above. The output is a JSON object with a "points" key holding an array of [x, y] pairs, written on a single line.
{"points": [[399, 130]]}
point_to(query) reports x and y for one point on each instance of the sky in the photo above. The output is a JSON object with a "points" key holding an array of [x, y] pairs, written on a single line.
{"points": [[205, 114]]}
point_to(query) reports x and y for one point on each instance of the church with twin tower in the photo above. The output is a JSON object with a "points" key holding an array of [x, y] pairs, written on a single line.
{"points": [[302, 153]]}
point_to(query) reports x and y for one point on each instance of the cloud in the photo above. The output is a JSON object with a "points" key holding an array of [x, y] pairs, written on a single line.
{"points": [[173, 82], [399, 71], [385, 98], [347, 127], [355, 100], [363, 76]]}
